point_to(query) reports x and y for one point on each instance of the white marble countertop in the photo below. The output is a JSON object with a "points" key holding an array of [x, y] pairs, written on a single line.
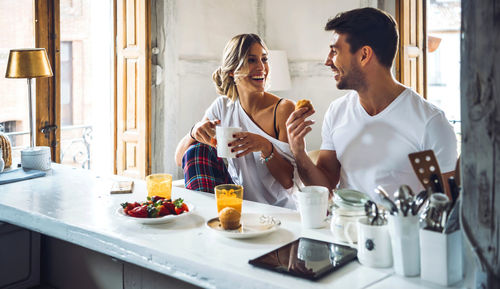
{"points": [[75, 205]]}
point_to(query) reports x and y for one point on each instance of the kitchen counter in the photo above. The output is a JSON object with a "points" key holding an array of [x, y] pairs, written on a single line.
{"points": [[75, 205]]}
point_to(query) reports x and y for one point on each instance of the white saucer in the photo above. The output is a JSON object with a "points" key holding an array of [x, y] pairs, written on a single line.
{"points": [[252, 225]]}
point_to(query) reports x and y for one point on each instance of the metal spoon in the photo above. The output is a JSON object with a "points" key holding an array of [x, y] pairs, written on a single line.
{"points": [[386, 201], [371, 211], [418, 201], [403, 198]]}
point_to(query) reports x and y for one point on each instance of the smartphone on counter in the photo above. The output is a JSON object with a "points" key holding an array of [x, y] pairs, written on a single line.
{"points": [[122, 187]]}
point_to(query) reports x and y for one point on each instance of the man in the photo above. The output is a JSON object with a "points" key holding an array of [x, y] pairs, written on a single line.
{"points": [[368, 133]]}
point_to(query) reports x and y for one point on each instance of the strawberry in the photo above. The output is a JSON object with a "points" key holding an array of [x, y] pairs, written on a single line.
{"points": [[139, 212], [128, 206], [178, 211], [170, 207], [178, 202], [178, 206], [185, 207], [163, 211], [156, 198]]}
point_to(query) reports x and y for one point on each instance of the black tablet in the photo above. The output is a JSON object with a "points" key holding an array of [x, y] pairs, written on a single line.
{"points": [[306, 258]]}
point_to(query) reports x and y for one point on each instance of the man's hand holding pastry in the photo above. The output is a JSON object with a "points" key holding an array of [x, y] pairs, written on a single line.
{"points": [[298, 127]]}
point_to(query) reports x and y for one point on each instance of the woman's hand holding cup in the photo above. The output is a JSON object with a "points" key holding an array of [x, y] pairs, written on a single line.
{"points": [[204, 132], [247, 142]]}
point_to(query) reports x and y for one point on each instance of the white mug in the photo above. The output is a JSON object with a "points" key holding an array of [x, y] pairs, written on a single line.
{"points": [[313, 205], [224, 136], [374, 244]]}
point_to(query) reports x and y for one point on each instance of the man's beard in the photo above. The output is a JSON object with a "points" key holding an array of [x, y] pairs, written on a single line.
{"points": [[354, 80]]}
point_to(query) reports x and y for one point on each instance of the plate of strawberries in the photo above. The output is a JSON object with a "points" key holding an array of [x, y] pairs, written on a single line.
{"points": [[155, 210]]}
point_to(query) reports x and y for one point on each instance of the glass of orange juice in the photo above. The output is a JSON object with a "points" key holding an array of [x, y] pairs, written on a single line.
{"points": [[159, 185], [229, 195]]}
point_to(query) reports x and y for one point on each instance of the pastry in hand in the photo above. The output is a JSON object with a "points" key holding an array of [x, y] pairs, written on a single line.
{"points": [[303, 103], [229, 218]]}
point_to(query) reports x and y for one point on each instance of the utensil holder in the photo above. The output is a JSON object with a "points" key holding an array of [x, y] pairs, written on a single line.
{"points": [[404, 232], [441, 257]]}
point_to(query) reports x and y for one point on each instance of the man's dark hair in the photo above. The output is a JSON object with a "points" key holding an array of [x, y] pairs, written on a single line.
{"points": [[368, 26]]}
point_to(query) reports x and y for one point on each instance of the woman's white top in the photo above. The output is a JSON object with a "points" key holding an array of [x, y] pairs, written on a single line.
{"points": [[258, 183]]}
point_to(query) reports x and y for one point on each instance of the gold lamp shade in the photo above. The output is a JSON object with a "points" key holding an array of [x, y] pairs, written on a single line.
{"points": [[28, 63]]}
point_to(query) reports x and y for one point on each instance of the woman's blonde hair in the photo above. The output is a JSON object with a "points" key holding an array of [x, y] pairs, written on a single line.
{"points": [[234, 60]]}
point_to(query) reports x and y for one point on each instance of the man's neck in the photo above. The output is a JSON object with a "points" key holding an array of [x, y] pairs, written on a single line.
{"points": [[379, 92]]}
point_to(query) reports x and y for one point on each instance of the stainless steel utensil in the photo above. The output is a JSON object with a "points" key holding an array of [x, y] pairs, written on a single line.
{"points": [[453, 223], [386, 200], [436, 216], [419, 201], [375, 216], [403, 198], [371, 211]]}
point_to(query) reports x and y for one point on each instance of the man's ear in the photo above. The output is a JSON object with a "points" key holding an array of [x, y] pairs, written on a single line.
{"points": [[366, 54]]}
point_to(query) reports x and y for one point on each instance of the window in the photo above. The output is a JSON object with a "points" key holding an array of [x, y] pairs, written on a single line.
{"points": [[86, 57], [434, 72], [14, 118], [443, 58]]}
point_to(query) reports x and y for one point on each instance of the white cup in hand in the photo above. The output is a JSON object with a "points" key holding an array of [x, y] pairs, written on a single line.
{"points": [[224, 136], [313, 205]]}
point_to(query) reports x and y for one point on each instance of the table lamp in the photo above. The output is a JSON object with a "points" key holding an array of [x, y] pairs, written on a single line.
{"points": [[31, 63], [279, 74]]}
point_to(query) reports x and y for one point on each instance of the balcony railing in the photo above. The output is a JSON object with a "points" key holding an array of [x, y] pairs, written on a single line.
{"points": [[77, 148]]}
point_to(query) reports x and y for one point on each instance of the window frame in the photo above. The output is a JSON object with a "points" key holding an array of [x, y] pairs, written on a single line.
{"points": [[48, 90]]}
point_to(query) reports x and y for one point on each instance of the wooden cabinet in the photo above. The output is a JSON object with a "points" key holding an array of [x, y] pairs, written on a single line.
{"points": [[19, 257]]}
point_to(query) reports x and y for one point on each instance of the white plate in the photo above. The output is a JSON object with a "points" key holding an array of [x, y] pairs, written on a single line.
{"points": [[159, 220], [252, 225]]}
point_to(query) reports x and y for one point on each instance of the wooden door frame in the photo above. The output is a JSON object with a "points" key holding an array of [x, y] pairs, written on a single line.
{"points": [[404, 19], [48, 90]]}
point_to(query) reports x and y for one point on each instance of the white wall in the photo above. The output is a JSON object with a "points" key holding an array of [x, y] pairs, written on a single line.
{"points": [[191, 35]]}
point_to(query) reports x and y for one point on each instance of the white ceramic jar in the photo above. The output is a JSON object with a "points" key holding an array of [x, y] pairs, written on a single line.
{"points": [[37, 158], [340, 218]]}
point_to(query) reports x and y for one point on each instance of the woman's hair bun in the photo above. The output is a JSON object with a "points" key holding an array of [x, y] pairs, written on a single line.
{"points": [[218, 78]]}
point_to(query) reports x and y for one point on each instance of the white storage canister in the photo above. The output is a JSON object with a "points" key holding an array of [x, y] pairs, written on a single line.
{"points": [[37, 158]]}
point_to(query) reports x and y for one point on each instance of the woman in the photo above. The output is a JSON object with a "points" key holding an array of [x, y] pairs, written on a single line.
{"points": [[264, 165]]}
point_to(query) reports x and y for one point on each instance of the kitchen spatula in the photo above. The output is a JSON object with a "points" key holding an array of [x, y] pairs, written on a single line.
{"points": [[426, 168]]}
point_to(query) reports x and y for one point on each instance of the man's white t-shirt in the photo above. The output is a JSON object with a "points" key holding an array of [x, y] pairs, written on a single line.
{"points": [[249, 171], [373, 150]]}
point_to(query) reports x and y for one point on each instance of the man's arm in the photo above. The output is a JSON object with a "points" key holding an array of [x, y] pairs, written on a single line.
{"points": [[327, 170], [325, 173]]}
